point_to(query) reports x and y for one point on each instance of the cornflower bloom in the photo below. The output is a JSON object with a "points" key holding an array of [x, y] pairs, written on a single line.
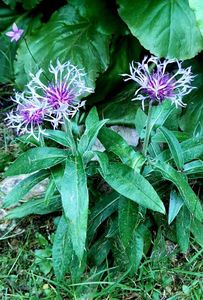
{"points": [[51, 102], [158, 84], [63, 92], [29, 115], [15, 34]]}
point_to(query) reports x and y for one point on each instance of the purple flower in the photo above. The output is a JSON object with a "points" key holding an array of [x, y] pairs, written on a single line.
{"points": [[28, 116], [63, 93], [157, 83], [50, 101], [15, 34]]}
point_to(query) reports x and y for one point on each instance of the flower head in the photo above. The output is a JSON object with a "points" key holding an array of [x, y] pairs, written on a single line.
{"points": [[157, 83], [52, 100], [15, 34], [28, 116], [64, 91]]}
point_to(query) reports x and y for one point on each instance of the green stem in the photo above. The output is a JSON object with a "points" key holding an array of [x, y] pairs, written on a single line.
{"points": [[148, 130]]}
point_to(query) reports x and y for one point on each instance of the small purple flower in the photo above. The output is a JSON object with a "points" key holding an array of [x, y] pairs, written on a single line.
{"points": [[158, 84], [15, 34]]}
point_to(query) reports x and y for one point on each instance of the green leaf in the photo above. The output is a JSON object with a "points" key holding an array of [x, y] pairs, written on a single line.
{"points": [[57, 136], [135, 251], [99, 251], [71, 37], [193, 167], [175, 204], [23, 187], [140, 121], [36, 159], [113, 142], [174, 147], [183, 220], [193, 113], [197, 7], [121, 109], [160, 113], [165, 27], [74, 195], [101, 211], [192, 149], [30, 4], [92, 129], [62, 250], [36, 206], [127, 219], [131, 185], [51, 189], [197, 231], [191, 200]]}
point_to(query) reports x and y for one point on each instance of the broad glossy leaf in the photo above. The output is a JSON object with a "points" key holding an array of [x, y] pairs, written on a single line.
{"points": [[36, 159], [190, 198], [165, 27], [23, 187], [36, 206], [183, 221], [131, 185], [62, 250], [71, 37], [74, 194], [174, 146], [127, 219], [197, 7], [175, 204], [113, 142], [30, 4]]}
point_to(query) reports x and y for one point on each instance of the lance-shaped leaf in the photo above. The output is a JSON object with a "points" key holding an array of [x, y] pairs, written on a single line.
{"points": [[183, 221], [74, 194], [175, 204], [36, 206], [174, 147], [113, 142], [23, 187], [62, 251], [93, 126], [36, 159], [130, 184], [190, 198], [57, 136]]}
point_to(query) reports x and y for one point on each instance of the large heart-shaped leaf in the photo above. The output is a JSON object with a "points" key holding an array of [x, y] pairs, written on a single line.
{"points": [[197, 6], [71, 36], [165, 27]]}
